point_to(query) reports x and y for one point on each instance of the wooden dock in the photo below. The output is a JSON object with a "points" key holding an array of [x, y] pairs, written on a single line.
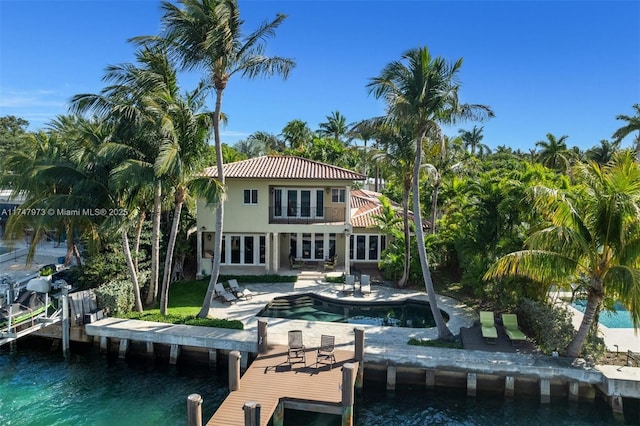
{"points": [[272, 383]]}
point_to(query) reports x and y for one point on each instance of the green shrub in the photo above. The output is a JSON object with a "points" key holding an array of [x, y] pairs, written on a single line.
{"points": [[116, 297], [336, 280], [550, 326], [187, 320]]}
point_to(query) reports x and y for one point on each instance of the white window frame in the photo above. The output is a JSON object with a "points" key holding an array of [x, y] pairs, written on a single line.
{"points": [[253, 197], [338, 195], [313, 203]]}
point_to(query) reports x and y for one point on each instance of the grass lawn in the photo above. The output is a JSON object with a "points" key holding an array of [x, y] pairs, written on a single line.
{"points": [[185, 301]]}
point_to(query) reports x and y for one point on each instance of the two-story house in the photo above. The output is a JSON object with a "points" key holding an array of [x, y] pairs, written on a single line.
{"points": [[284, 209]]}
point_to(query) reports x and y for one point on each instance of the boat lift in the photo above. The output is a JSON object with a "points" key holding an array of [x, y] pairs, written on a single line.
{"points": [[13, 332]]}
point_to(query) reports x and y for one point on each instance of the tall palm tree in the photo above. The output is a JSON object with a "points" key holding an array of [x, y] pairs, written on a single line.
{"points": [[633, 125], [473, 140], [135, 100], [592, 234], [554, 153], [421, 92], [604, 153], [297, 134], [398, 155], [208, 34], [336, 126]]}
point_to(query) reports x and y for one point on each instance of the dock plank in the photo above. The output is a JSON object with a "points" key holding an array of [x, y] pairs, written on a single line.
{"points": [[270, 378]]}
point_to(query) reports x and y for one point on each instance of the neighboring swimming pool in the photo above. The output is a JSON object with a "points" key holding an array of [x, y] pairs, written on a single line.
{"points": [[311, 307], [621, 318]]}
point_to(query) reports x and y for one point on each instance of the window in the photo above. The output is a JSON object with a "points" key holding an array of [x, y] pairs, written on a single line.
{"points": [[251, 196], [298, 203], [337, 195], [373, 247], [319, 246], [243, 249], [248, 249], [366, 247]]}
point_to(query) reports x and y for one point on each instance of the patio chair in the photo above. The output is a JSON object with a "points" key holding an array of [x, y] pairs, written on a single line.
{"points": [[510, 322], [365, 284], [488, 327], [238, 291], [296, 350], [325, 354], [349, 285], [224, 294], [330, 263]]}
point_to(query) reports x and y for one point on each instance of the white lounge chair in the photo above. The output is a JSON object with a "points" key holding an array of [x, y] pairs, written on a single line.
{"points": [[365, 284], [349, 286], [238, 291], [224, 294]]}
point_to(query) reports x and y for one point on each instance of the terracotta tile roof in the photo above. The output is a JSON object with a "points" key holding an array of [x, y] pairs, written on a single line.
{"points": [[284, 167], [365, 205]]}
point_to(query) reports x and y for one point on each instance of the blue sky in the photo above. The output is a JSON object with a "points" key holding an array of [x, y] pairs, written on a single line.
{"points": [[561, 67]]}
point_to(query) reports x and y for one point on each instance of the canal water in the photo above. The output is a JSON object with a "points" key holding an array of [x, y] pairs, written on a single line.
{"points": [[39, 387]]}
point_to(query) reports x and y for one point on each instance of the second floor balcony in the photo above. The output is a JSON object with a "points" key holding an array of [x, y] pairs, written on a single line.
{"points": [[305, 215]]}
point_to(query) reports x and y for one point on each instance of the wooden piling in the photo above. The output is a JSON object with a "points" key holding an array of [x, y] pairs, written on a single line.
{"points": [[194, 410], [251, 413], [430, 378], [124, 346], [391, 377], [348, 379], [65, 322], [234, 370], [263, 343], [359, 356], [574, 391]]}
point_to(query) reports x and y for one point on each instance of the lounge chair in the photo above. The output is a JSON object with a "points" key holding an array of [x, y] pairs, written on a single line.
{"points": [[224, 294], [238, 291], [296, 350], [365, 284], [510, 322], [349, 286], [325, 354], [488, 327], [330, 263]]}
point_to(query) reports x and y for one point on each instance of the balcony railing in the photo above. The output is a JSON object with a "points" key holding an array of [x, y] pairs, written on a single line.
{"points": [[305, 216]]}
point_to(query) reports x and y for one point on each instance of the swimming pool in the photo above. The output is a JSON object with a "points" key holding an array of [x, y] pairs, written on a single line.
{"points": [[621, 318], [311, 307]]}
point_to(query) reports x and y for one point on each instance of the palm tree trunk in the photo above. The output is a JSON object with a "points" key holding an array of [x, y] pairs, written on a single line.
{"points": [[594, 300], [132, 270], [136, 245], [434, 207], [407, 240], [155, 246], [217, 237], [443, 330], [168, 260]]}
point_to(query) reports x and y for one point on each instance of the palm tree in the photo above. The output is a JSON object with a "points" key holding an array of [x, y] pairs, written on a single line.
{"points": [[136, 100], [554, 153], [297, 134], [592, 234], [398, 155], [207, 34], [336, 126], [473, 140], [604, 153], [421, 92], [633, 125]]}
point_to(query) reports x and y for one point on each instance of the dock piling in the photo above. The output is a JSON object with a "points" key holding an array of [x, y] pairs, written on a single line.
{"points": [[234, 370], [65, 322], [359, 356], [348, 379], [251, 413], [194, 410], [263, 343]]}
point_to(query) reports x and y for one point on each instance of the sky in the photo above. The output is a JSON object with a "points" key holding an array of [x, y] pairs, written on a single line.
{"points": [[562, 67]]}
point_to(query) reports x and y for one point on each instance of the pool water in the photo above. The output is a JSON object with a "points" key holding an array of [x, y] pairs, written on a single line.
{"points": [[620, 318], [311, 307]]}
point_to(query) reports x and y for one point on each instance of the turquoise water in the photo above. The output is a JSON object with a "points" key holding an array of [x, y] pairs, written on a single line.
{"points": [[621, 318], [38, 387]]}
